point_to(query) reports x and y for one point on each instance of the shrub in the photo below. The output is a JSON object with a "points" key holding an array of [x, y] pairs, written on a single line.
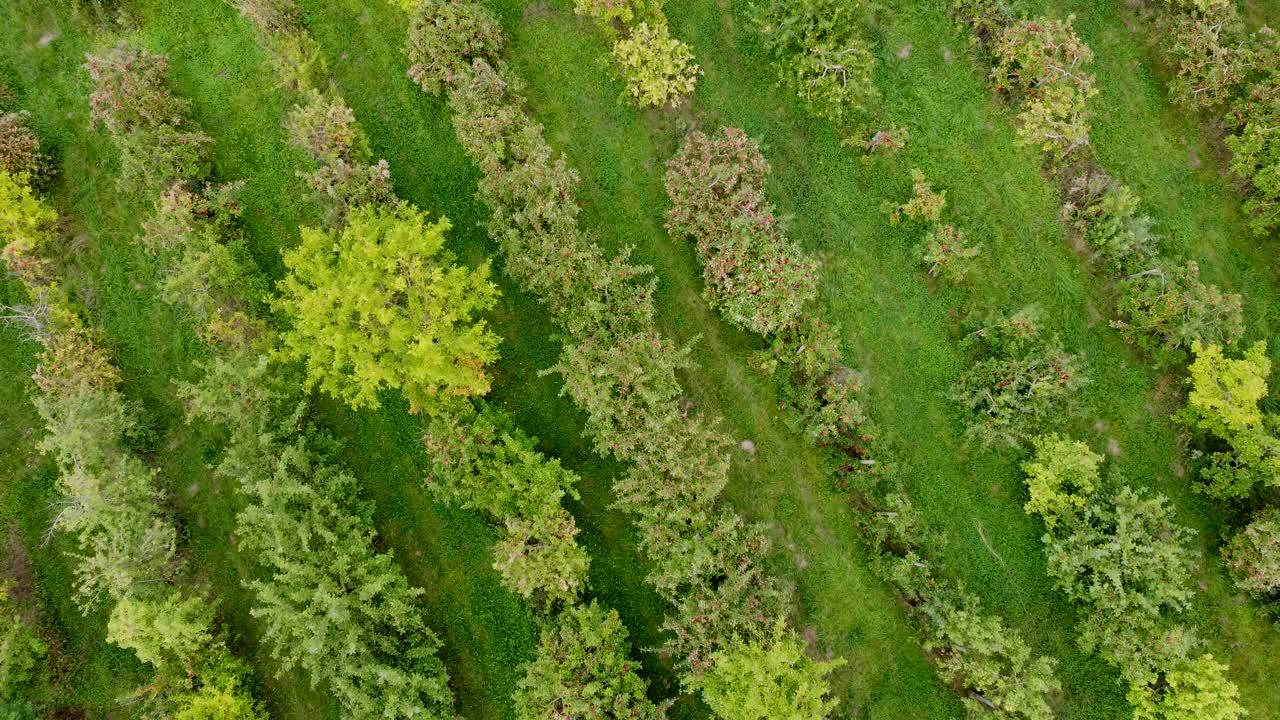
{"points": [[582, 671], [1040, 61], [210, 272], [1191, 690], [987, 18], [326, 130], [609, 14], [1253, 555], [659, 68], [1165, 310], [1020, 382], [168, 631], [276, 16], [819, 56], [131, 91], [19, 147], [132, 100], [539, 559], [925, 205], [1061, 478], [445, 37], [1255, 148], [1125, 559], [1118, 233], [757, 277], [1207, 65], [948, 255], [21, 652], [27, 224], [382, 305], [976, 651], [770, 680]]}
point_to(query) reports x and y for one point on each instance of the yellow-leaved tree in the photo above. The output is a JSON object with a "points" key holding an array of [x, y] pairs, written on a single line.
{"points": [[382, 305]]}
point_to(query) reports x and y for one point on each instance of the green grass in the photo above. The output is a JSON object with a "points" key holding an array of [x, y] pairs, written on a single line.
{"points": [[895, 326]]}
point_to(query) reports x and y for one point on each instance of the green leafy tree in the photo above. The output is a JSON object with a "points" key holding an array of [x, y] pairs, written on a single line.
{"points": [[1129, 564], [276, 16], [1165, 309], [149, 124], [925, 204], [818, 54], [1253, 555], [21, 653], [609, 14], [482, 461], [1041, 61], [383, 305], [26, 223], [1020, 382], [582, 671], [168, 631], [755, 275], [1061, 477], [19, 147], [947, 254], [1255, 146], [325, 128], [1224, 402], [659, 69], [770, 680], [445, 37], [1191, 690], [976, 651]]}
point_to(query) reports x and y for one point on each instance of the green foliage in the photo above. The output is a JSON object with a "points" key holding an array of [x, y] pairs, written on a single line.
{"points": [[332, 605], [276, 16], [659, 69], [1225, 392], [756, 276], [19, 147], [1255, 148], [1165, 310], [925, 205], [445, 37], [21, 653], [976, 651], [26, 224], [582, 671], [1207, 62], [1020, 382], [1040, 62], [1061, 478], [210, 276], [168, 631], [771, 680], [112, 505], [382, 305], [483, 462], [1192, 690], [819, 55], [1118, 233], [947, 254], [132, 100], [1253, 555], [1129, 564], [610, 13], [325, 128]]}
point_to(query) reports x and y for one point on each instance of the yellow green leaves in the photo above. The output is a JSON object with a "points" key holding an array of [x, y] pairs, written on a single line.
{"points": [[1061, 477], [380, 305], [26, 222], [1224, 392]]}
